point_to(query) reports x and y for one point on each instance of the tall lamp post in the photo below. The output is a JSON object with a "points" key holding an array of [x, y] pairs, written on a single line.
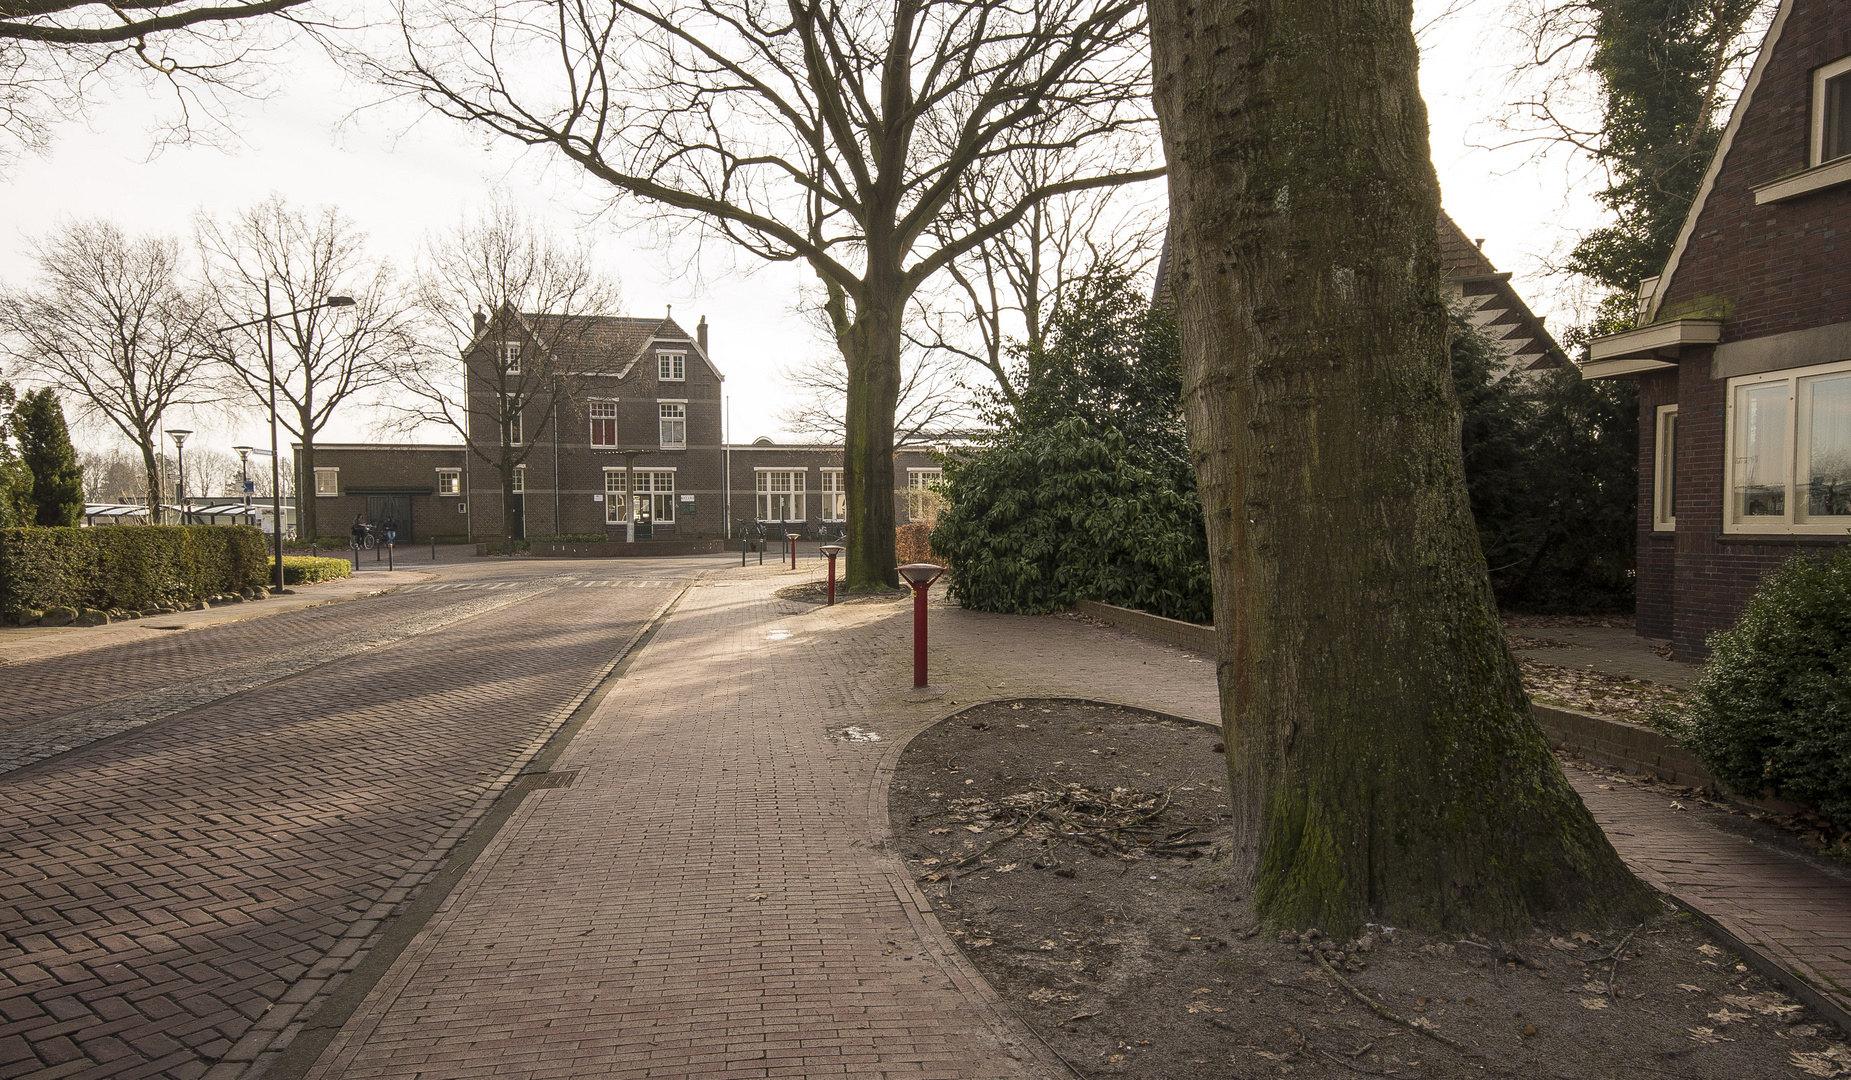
{"points": [[244, 479], [178, 435], [276, 480]]}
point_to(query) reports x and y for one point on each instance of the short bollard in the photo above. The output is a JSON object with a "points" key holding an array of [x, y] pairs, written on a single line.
{"points": [[830, 551], [920, 576], [376, 549], [388, 555], [792, 537], [356, 558], [433, 549], [314, 552]]}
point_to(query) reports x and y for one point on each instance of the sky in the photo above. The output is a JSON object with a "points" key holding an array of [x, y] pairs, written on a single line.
{"points": [[402, 176]]}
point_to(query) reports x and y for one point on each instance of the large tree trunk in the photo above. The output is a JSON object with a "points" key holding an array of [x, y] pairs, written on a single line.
{"points": [[152, 465], [871, 346], [308, 526], [1382, 755]]}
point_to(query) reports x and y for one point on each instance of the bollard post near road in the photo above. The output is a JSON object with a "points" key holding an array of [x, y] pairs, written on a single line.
{"points": [[433, 549], [830, 551], [920, 576], [792, 537], [388, 555]]}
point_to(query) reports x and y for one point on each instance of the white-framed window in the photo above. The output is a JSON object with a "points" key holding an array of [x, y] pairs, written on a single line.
{"points": [[674, 419], [449, 481], [327, 483], [780, 494], [511, 357], [520, 479], [671, 366], [603, 423], [615, 505], [656, 485], [1664, 471], [922, 498], [514, 428], [835, 495], [1831, 111], [1788, 438]]}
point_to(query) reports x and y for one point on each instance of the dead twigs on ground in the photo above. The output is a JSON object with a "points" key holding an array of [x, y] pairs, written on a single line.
{"points": [[1385, 1012]]}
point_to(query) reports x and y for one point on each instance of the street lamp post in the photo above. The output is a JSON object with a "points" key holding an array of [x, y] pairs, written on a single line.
{"points": [[276, 480], [920, 576], [832, 550], [178, 435], [244, 479]]}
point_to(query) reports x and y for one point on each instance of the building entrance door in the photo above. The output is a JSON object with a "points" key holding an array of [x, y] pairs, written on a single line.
{"points": [[395, 507]]}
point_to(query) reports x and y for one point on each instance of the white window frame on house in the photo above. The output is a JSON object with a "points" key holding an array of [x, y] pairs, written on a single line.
{"points": [[1821, 79], [514, 428], [510, 358], [658, 484], [919, 490], [1664, 470], [671, 367], [327, 482], [520, 480], [834, 495], [449, 482], [672, 420], [602, 412], [789, 499], [1785, 389]]}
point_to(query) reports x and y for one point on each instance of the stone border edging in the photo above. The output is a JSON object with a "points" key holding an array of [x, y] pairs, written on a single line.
{"points": [[1142, 623]]}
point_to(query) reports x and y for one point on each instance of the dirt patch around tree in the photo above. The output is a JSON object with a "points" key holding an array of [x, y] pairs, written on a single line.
{"points": [[817, 592], [1075, 852]]}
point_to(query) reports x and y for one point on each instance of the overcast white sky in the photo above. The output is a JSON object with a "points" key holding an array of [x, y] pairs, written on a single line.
{"points": [[399, 185]]}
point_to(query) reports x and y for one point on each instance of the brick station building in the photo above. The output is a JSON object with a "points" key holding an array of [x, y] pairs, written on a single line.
{"points": [[1743, 345], [640, 400]]}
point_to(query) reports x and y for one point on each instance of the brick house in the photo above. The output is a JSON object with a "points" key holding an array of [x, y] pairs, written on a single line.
{"points": [[1743, 345], [642, 403]]}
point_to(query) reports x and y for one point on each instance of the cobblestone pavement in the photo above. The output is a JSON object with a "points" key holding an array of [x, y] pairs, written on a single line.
{"points": [[711, 897], [178, 895], [1793, 913]]}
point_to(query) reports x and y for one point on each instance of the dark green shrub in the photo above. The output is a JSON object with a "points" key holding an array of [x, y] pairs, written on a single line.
{"points": [[1046, 518], [306, 569], [128, 566], [1771, 712]]}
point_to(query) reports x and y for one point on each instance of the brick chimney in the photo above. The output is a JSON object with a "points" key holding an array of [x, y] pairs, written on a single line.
{"points": [[481, 322], [700, 335]]}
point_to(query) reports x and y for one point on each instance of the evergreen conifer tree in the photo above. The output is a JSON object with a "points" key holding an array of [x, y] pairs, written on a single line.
{"points": [[16, 507], [45, 445]]}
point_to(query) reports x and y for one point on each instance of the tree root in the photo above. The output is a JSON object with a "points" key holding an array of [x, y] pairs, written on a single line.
{"points": [[1385, 1013]]}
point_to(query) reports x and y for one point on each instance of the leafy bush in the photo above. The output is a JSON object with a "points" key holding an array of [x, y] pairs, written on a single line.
{"points": [[1045, 518], [127, 566], [306, 570], [1771, 711]]}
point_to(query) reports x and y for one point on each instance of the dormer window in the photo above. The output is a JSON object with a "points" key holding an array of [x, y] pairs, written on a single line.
{"points": [[672, 367], [1831, 111], [511, 357]]}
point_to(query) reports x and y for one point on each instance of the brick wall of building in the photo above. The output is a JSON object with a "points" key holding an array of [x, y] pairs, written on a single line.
{"points": [[1657, 553]]}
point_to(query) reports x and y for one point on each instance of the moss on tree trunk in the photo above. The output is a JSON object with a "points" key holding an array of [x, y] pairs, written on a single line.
{"points": [[1382, 755]]}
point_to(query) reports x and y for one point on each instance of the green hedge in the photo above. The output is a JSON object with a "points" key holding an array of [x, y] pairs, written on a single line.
{"points": [[307, 570], [127, 566], [1771, 712]]}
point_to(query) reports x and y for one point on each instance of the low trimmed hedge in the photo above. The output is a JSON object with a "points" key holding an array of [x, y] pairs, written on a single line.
{"points": [[127, 566], [307, 569]]}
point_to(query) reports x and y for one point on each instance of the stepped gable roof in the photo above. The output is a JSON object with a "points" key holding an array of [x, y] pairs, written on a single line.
{"points": [[1490, 302]]}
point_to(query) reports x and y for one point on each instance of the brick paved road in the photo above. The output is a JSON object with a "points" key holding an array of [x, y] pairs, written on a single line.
{"points": [[172, 896]]}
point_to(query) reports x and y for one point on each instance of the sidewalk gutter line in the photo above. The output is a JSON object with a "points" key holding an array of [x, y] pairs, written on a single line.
{"points": [[1767, 966], [285, 1055]]}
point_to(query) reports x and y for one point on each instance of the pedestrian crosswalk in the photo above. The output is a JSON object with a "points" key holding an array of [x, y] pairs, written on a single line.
{"points": [[530, 583]]}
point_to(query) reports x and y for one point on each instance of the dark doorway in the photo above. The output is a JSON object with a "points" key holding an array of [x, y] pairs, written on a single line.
{"points": [[396, 507], [520, 516]]}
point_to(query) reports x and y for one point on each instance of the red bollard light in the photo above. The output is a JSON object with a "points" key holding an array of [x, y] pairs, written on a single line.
{"points": [[832, 550], [920, 576], [792, 537]]}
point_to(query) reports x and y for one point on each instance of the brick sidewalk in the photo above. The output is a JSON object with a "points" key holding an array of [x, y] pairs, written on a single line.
{"points": [[712, 896]]}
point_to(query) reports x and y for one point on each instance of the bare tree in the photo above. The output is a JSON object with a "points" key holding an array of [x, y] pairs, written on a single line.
{"points": [[54, 54], [826, 131], [111, 323], [1382, 756], [499, 278], [1001, 291], [325, 357], [933, 403]]}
